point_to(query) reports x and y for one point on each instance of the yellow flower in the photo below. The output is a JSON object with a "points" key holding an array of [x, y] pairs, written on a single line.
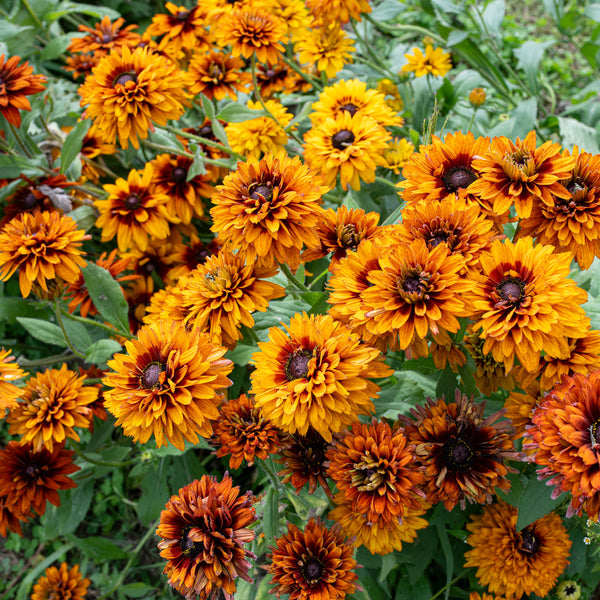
{"points": [[397, 153], [435, 62]]}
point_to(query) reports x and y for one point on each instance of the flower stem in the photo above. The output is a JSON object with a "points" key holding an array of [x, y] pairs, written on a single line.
{"points": [[285, 269], [48, 360], [57, 311], [440, 592], [111, 330], [99, 462], [202, 140]]}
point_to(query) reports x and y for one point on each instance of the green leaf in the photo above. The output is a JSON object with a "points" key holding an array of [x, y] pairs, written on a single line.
{"points": [[101, 351], [592, 11], [574, 132], [447, 384], [44, 331], [84, 217], [67, 8], [241, 354], [493, 15], [77, 334], [137, 590], [388, 562], [81, 500], [155, 494], [107, 296], [208, 107], [271, 515], [100, 548], [219, 132], [12, 167], [237, 113], [56, 46], [447, 550], [530, 54], [12, 307], [535, 502], [10, 30], [73, 143], [198, 166]]}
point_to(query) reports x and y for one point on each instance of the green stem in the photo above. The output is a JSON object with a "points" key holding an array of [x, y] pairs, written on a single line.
{"points": [[48, 360], [440, 592], [285, 269], [472, 119], [34, 17], [318, 278], [168, 149], [99, 462], [251, 334], [203, 140], [129, 563], [308, 78], [93, 323], [368, 48], [19, 140], [387, 182], [57, 311]]}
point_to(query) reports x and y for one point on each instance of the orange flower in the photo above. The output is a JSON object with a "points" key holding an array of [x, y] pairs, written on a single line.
{"points": [[129, 91], [268, 209], [29, 479], [434, 62], [204, 529], [315, 376], [312, 564], [564, 441], [17, 82], [105, 36], [168, 384], [462, 454], [217, 75], [185, 258], [61, 584], [9, 372], [52, 403], [519, 173], [341, 231], [372, 468], [338, 10], [252, 31], [186, 27], [416, 291], [244, 432], [42, 246], [511, 562], [524, 303], [10, 517], [134, 211], [519, 407]]}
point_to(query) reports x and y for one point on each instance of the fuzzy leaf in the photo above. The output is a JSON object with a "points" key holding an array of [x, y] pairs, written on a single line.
{"points": [[73, 143]]}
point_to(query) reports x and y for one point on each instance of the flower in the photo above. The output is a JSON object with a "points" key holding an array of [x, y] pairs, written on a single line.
{"points": [[17, 82], [388, 88], [477, 596], [252, 31], [168, 384], [42, 246], [524, 303], [477, 97], [338, 10], [312, 564], [397, 153], [10, 517], [519, 406], [78, 293], [304, 460], [154, 261], [185, 27], [518, 173], [351, 146], [129, 91], [52, 403], [170, 177], [352, 96], [372, 468], [28, 478], [379, 537], [564, 441], [328, 47], [217, 75], [444, 168], [244, 432], [61, 584], [9, 372], [220, 295], [105, 36], [277, 78], [315, 376], [93, 146], [511, 562], [204, 528], [268, 209], [416, 291], [571, 223], [185, 258], [263, 135], [81, 64], [342, 230], [134, 211], [462, 454], [568, 590], [434, 62]]}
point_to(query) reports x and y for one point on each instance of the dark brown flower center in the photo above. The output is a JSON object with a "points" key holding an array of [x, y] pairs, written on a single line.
{"points": [[152, 376], [202, 255], [529, 543], [123, 78], [182, 15], [179, 175], [32, 471], [269, 74], [29, 200], [150, 267], [342, 139], [349, 237], [351, 108], [189, 548], [133, 201], [412, 285], [511, 290], [215, 72], [261, 191], [312, 571], [205, 131], [458, 178], [458, 454], [437, 237], [296, 366], [595, 433]]}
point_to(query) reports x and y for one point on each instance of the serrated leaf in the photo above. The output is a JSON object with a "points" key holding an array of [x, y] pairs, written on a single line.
{"points": [[72, 144], [447, 384], [101, 351], [107, 296], [44, 331]]}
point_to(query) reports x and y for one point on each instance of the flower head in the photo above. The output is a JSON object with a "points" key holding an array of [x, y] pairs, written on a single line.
{"points": [[17, 82], [61, 584], [104, 36], [511, 562], [397, 153], [315, 376], [217, 75], [168, 384], [204, 528], [9, 372], [313, 564], [434, 62], [338, 10], [184, 27], [43, 246]]}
